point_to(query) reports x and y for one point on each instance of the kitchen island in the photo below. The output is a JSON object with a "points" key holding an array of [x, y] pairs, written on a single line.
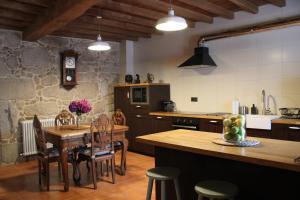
{"points": [[266, 171]]}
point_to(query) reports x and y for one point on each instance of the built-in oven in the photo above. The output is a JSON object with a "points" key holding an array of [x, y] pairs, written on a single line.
{"points": [[186, 123], [139, 95]]}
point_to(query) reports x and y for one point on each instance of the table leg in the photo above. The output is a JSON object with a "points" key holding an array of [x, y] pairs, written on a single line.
{"points": [[64, 162], [124, 152]]}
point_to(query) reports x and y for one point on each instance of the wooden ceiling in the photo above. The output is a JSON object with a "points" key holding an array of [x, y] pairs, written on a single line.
{"points": [[121, 19]]}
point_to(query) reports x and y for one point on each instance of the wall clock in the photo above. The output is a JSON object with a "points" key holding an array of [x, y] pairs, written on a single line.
{"points": [[69, 68]]}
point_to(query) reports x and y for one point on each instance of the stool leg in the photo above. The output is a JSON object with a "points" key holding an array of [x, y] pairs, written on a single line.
{"points": [[163, 190], [177, 189], [149, 190], [200, 197]]}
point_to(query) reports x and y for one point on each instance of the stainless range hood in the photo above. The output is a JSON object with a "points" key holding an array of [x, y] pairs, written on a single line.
{"points": [[200, 59]]}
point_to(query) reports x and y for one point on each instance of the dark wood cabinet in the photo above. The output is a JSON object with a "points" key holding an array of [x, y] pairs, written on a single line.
{"points": [[137, 114], [122, 99], [211, 125], [258, 133], [285, 132], [161, 123]]}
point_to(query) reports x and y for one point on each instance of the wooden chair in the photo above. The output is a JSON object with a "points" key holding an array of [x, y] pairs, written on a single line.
{"points": [[67, 118], [102, 148], [64, 118], [44, 155], [120, 119]]}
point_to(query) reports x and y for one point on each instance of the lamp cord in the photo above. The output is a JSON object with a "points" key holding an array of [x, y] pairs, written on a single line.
{"points": [[170, 2]]}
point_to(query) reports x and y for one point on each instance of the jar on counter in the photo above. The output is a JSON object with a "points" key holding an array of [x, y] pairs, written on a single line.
{"points": [[234, 129]]}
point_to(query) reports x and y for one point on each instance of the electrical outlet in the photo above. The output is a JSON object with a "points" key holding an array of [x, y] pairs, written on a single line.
{"points": [[194, 99]]}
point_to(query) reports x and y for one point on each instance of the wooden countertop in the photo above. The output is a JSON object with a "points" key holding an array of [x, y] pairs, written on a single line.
{"points": [[286, 121], [181, 114], [139, 84], [273, 153]]}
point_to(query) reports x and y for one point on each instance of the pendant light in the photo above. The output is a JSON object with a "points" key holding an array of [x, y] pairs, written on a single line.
{"points": [[99, 45], [171, 22]]}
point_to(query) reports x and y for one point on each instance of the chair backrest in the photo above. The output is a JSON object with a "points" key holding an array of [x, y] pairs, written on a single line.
{"points": [[119, 117], [101, 135], [40, 139], [64, 118]]}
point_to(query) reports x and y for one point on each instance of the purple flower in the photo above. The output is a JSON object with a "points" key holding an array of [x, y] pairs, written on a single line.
{"points": [[80, 106]]}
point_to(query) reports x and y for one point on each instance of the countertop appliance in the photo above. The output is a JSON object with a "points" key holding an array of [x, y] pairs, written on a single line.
{"points": [[290, 113], [185, 123], [168, 106]]}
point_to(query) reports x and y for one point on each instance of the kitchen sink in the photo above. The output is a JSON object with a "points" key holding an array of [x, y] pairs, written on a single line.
{"points": [[260, 121]]}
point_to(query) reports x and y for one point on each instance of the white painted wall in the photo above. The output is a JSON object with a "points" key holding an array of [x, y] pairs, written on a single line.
{"points": [[246, 64]]}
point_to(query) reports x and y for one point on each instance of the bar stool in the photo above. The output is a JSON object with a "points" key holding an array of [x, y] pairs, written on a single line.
{"points": [[163, 174], [214, 189]]}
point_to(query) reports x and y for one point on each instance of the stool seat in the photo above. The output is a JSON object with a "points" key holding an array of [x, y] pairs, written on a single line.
{"points": [[216, 189], [163, 173]]}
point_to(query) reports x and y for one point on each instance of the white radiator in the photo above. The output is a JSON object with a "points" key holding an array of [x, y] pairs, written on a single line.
{"points": [[29, 146]]}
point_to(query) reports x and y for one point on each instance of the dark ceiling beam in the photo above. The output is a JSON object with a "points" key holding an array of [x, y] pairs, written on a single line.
{"points": [[83, 36], [9, 14], [279, 3], [246, 5], [57, 16], [210, 7], [10, 27], [93, 27], [42, 3], [102, 32], [108, 14], [21, 7], [117, 24], [135, 10], [164, 7], [11, 22], [104, 35]]}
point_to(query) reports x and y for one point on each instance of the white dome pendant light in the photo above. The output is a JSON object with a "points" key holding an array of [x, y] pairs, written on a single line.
{"points": [[171, 22], [99, 45]]}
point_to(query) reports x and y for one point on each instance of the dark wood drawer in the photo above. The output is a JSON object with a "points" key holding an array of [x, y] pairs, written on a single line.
{"points": [[211, 125], [139, 109], [258, 133], [286, 132]]}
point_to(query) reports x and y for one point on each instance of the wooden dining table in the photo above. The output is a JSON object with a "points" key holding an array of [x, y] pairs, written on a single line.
{"points": [[70, 136]]}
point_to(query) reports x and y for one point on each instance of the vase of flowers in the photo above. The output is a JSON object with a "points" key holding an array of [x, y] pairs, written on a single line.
{"points": [[80, 107]]}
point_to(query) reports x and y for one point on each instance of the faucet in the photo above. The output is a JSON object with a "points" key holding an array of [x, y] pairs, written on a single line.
{"points": [[268, 110], [263, 96], [266, 106]]}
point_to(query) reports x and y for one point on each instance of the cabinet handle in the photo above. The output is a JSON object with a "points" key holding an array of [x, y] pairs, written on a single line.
{"points": [[159, 117], [213, 121], [138, 116], [138, 106], [294, 128], [128, 95]]}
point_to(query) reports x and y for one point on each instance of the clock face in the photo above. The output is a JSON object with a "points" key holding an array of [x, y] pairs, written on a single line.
{"points": [[70, 62]]}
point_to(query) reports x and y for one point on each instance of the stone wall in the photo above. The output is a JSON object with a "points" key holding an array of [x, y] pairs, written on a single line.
{"points": [[30, 83]]}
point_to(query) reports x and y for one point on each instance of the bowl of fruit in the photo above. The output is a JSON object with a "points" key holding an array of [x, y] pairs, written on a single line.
{"points": [[234, 128]]}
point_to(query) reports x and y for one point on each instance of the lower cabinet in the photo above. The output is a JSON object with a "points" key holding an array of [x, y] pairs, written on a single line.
{"points": [[143, 125], [211, 125], [258, 133], [286, 132]]}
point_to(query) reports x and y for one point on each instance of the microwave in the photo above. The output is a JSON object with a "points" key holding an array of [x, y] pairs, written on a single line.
{"points": [[139, 95]]}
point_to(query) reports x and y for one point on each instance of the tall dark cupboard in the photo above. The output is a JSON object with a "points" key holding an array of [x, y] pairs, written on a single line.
{"points": [[137, 105]]}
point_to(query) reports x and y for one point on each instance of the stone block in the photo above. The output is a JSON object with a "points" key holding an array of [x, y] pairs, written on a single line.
{"points": [[12, 39], [42, 109], [13, 88], [9, 152], [58, 92], [50, 80], [37, 56], [87, 90]]}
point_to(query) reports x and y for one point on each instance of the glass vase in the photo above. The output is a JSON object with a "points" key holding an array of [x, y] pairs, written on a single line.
{"points": [[78, 119], [234, 129]]}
